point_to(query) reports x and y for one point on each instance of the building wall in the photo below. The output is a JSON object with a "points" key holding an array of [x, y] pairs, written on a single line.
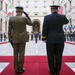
{"points": [[4, 15], [36, 9], [69, 12]]}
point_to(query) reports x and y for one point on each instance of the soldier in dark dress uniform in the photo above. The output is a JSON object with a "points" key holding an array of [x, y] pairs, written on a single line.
{"points": [[53, 34]]}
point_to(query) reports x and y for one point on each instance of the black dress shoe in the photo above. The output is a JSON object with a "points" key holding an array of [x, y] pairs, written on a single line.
{"points": [[22, 70], [57, 73], [52, 74], [17, 72]]}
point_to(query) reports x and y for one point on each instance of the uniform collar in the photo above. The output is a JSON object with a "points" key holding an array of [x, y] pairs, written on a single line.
{"points": [[54, 12]]}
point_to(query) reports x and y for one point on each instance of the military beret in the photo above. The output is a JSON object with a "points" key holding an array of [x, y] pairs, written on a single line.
{"points": [[54, 6], [19, 7]]}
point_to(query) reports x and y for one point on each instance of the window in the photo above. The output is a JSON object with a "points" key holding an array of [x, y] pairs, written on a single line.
{"points": [[44, 4], [35, 4], [5, 26], [0, 24], [70, 2], [65, 5], [35, 13], [27, 3], [6, 7], [44, 13], [1, 5], [70, 21], [18, 2]]}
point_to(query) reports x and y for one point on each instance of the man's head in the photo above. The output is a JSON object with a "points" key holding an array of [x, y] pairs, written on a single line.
{"points": [[19, 10], [54, 8]]}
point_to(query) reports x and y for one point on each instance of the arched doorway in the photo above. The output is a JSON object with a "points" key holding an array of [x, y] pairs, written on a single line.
{"points": [[36, 29], [36, 26]]}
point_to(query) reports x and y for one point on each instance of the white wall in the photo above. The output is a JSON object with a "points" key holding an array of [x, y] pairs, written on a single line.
{"points": [[31, 9], [40, 9], [71, 13]]}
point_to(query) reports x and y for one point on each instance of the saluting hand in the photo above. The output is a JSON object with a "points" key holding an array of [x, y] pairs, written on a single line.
{"points": [[26, 15]]}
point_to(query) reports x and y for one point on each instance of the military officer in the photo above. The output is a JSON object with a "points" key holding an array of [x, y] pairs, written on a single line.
{"points": [[53, 34], [18, 36]]}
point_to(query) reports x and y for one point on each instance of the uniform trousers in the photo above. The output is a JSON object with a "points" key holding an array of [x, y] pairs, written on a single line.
{"points": [[54, 54], [19, 51]]}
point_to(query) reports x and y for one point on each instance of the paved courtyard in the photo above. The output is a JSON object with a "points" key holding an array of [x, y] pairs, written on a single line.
{"points": [[35, 49]]}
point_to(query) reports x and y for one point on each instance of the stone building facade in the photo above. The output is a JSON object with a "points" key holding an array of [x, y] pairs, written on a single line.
{"points": [[36, 9], [4, 17], [69, 11]]}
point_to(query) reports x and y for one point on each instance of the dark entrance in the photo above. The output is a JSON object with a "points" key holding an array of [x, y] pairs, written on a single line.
{"points": [[36, 26]]}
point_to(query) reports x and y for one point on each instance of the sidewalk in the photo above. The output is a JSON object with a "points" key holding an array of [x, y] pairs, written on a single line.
{"points": [[69, 42], [3, 42]]}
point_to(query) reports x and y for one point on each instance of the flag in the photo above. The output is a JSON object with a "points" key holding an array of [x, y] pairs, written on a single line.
{"points": [[10, 10], [60, 10]]}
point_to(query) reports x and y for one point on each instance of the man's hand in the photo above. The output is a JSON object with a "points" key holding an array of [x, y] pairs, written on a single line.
{"points": [[25, 13], [44, 41]]}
